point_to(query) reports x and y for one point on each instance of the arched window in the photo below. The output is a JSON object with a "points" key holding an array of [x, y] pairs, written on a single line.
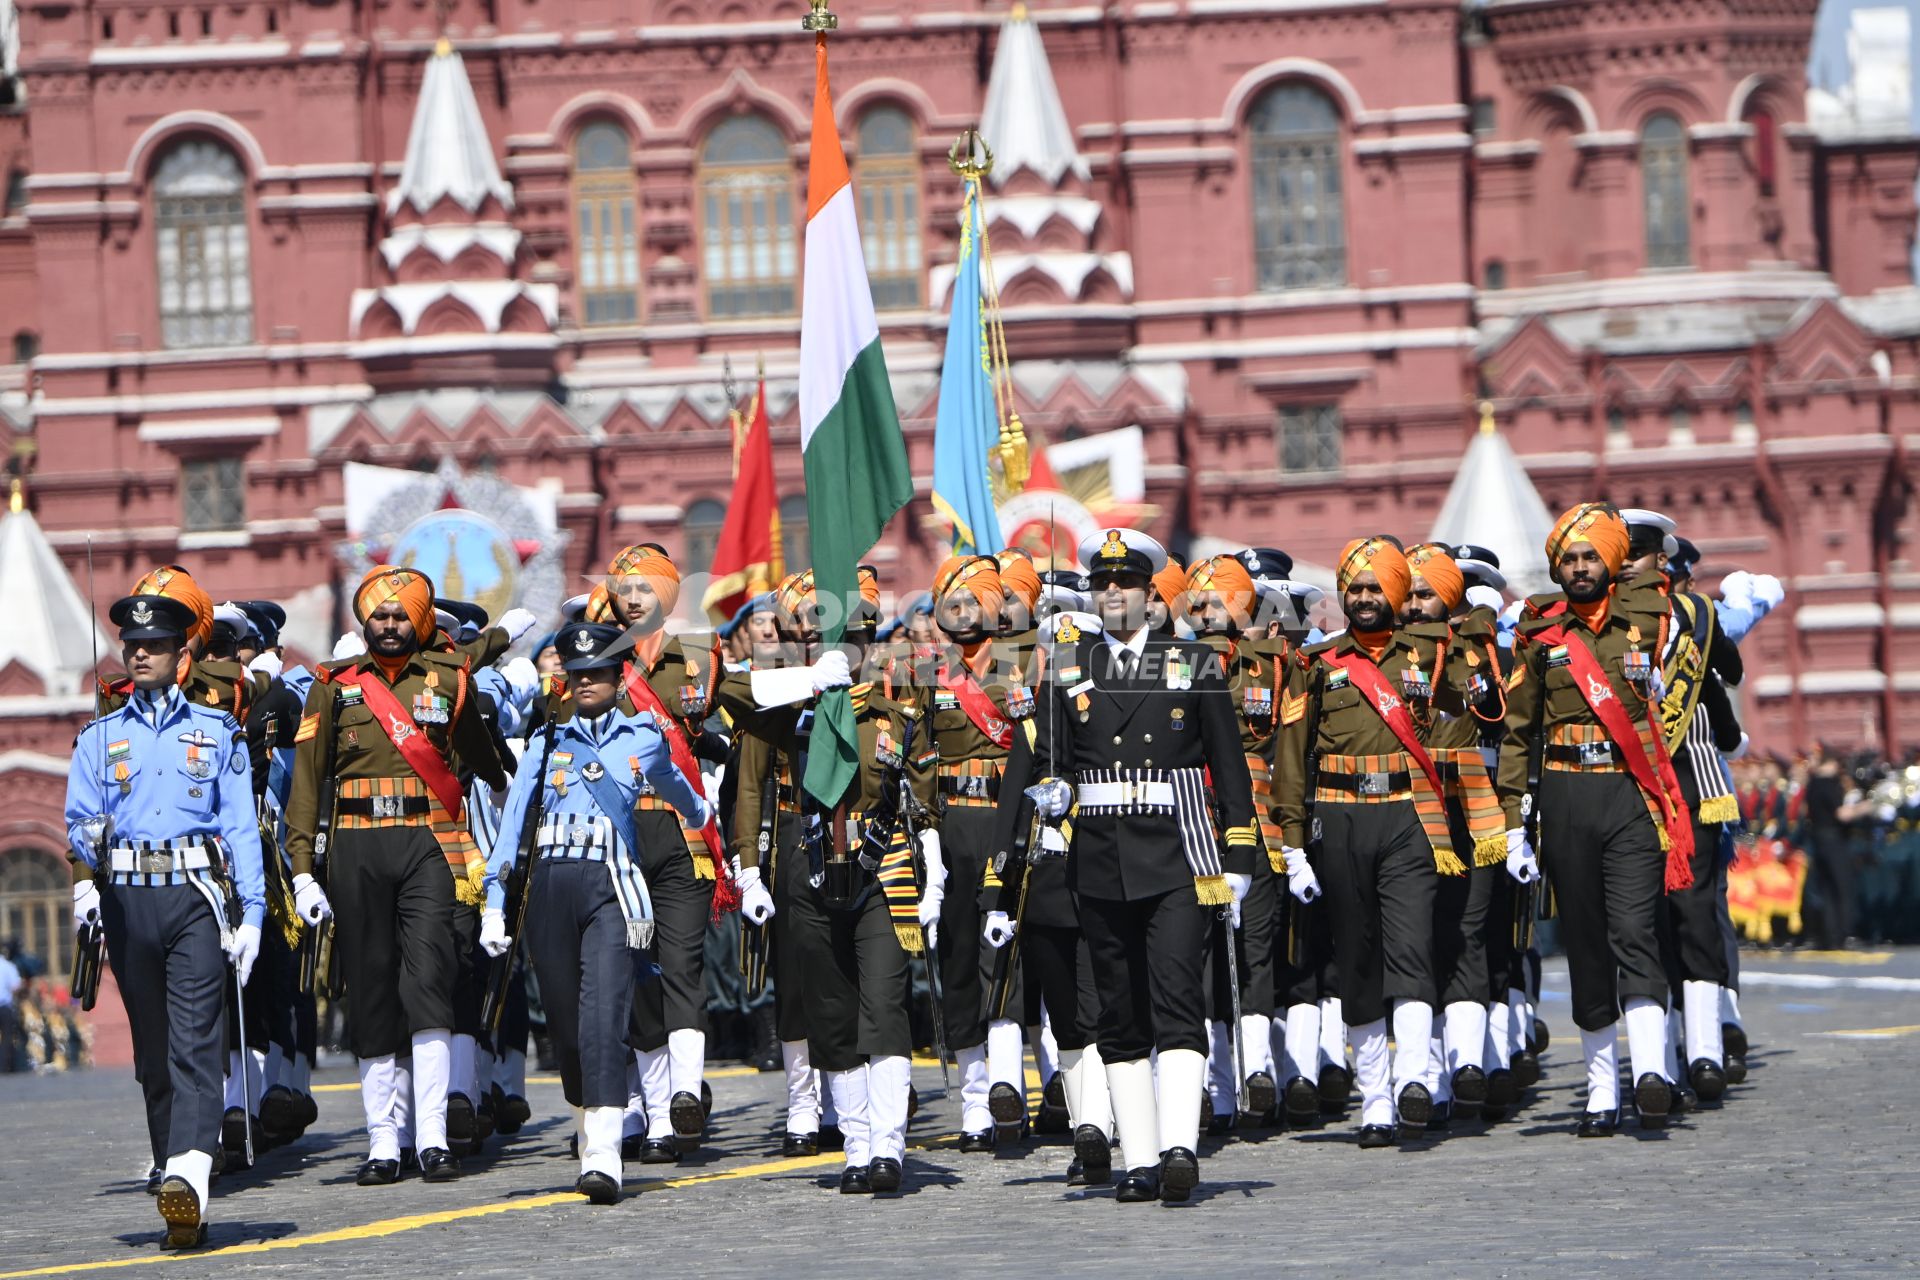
{"points": [[795, 549], [746, 200], [35, 907], [1495, 275], [1299, 228], [1663, 174], [700, 529], [1766, 155], [887, 181], [606, 249], [200, 224]]}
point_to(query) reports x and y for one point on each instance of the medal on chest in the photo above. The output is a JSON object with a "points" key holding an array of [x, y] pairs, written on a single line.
{"points": [[1179, 672], [693, 702], [1177, 719], [200, 747], [1257, 702], [430, 708], [1081, 703], [558, 779], [1637, 666], [1414, 683], [886, 752], [1020, 702]]}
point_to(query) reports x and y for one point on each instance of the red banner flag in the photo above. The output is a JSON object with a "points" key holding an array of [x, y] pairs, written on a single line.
{"points": [[746, 560]]}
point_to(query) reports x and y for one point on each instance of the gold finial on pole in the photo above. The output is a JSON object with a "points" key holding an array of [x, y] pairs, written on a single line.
{"points": [[17, 497], [970, 158], [1486, 418], [442, 10], [1019, 11], [819, 18]]}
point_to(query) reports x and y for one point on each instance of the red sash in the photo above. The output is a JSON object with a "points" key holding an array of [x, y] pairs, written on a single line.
{"points": [[1655, 777], [1361, 670], [978, 705], [395, 721], [682, 752]]}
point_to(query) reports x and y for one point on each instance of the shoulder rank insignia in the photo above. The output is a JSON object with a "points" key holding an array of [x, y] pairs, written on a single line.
{"points": [[1292, 707], [1519, 674], [309, 725]]}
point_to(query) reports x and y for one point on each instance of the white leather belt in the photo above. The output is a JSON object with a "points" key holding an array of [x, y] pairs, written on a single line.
{"points": [[158, 860], [1125, 795], [558, 837]]}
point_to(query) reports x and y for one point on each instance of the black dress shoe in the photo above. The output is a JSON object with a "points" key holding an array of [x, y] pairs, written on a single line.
{"points": [[409, 1159], [1442, 1118], [461, 1130], [706, 1099], [1206, 1108], [1709, 1080], [309, 1111], [598, 1188], [180, 1206], [1416, 1105], [630, 1147], [830, 1138], [883, 1175], [1375, 1136], [1491, 1114], [378, 1173], [971, 1143], [1684, 1100], [1140, 1186], [799, 1145], [1222, 1124], [855, 1180], [1526, 1068], [659, 1151], [1470, 1087], [1598, 1124], [1302, 1100], [437, 1164], [1335, 1088], [1736, 1068], [688, 1117], [511, 1114], [913, 1103], [1092, 1156], [1179, 1174], [1052, 1116], [1008, 1107], [280, 1114], [1262, 1094], [1502, 1090], [154, 1175], [1733, 1039], [1653, 1098], [233, 1137], [1537, 1037]]}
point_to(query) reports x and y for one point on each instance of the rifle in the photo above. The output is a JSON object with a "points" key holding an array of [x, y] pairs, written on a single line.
{"points": [[1301, 917], [317, 972], [90, 940], [500, 973], [754, 939], [910, 810], [1526, 897], [1007, 865]]}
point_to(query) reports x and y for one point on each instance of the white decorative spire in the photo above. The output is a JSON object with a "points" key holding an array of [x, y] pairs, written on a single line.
{"points": [[1493, 504], [448, 150], [1023, 120], [45, 625]]}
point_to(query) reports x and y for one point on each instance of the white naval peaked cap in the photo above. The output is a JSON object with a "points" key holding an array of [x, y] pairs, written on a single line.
{"points": [[236, 617], [1122, 551]]}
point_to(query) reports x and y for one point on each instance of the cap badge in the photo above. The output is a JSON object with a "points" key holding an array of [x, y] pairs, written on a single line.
{"points": [[1115, 547], [584, 641], [141, 613]]}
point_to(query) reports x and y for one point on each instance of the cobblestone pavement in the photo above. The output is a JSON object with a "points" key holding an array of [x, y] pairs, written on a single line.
{"points": [[1806, 1170]]}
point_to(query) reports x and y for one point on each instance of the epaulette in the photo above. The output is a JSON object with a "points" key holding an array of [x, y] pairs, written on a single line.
{"points": [[1309, 652], [1538, 605], [1480, 623], [458, 661]]}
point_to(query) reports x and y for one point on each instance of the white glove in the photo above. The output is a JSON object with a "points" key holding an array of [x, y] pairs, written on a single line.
{"points": [[1301, 882], [310, 900], [1480, 594], [493, 932], [1239, 884], [267, 662], [1740, 752], [243, 948], [756, 904], [1767, 591], [522, 677], [999, 929], [86, 904], [932, 899], [516, 623], [930, 857], [1520, 860], [831, 671], [1051, 796], [350, 645]]}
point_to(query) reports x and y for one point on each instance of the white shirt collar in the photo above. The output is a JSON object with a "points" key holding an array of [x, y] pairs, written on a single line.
{"points": [[1137, 644]]}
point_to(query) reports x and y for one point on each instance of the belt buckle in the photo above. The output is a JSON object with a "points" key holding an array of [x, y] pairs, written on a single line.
{"points": [[1130, 794], [1375, 784], [155, 862], [1592, 753]]}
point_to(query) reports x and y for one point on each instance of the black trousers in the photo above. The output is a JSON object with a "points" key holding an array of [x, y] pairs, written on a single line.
{"points": [[682, 902], [966, 845], [856, 989], [577, 940], [515, 1021], [1304, 929], [471, 965], [1729, 937], [164, 947], [1695, 949], [1460, 910], [1376, 871], [1058, 970], [270, 997], [1602, 853], [393, 905], [1149, 967], [798, 926], [1255, 944]]}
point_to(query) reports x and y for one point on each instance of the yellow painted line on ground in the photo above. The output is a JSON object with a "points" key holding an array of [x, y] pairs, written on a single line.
{"points": [[720, 1073], [413, 1222], [1871, 1033], [1835, 957]]}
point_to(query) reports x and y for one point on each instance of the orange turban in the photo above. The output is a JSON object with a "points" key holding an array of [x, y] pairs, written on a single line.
{"points": [[1386, 562], [977, 574], [600, 606], [413, 589], [796, 591], [652, 564], [1433, 562], [1226, 577], [1171, 585], [869, 585], [1018, 576], [176, 583], [1593, 522]]}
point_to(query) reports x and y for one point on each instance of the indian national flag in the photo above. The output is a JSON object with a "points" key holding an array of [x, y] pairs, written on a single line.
{"points": [[856, 459]]}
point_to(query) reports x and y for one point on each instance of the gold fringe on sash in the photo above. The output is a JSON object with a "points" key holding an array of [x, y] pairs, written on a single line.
{"points": [[1212, 891]]}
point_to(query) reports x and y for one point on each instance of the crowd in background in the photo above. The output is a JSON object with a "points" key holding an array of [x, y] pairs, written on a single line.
{"points": [[38, 1027]]}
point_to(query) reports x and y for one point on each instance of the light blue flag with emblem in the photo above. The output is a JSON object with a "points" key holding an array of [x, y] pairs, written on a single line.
{"points": [[966, 426]]}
